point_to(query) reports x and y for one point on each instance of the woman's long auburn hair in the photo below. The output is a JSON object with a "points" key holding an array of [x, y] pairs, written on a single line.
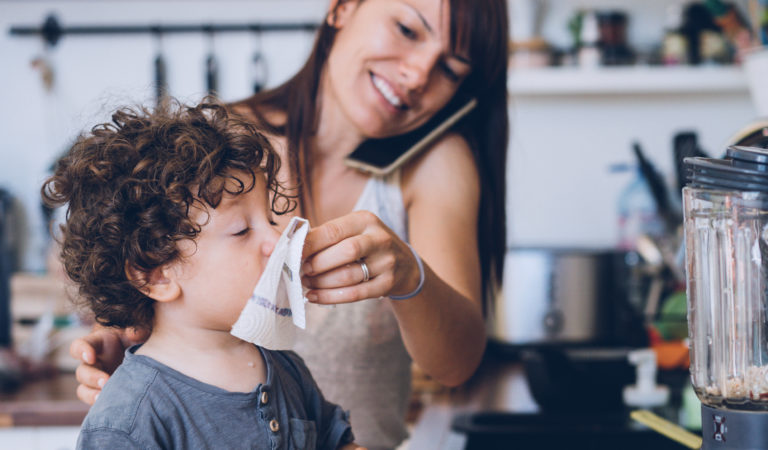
{"points": [[478, 26]]}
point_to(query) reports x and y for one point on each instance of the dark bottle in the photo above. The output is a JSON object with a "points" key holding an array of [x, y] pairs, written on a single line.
{"points": [[613, 38]]}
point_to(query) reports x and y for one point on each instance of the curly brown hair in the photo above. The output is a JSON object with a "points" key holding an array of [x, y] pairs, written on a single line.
{"points": [[130, 185]]}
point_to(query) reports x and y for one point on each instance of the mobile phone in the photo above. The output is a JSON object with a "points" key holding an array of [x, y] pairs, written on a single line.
{"points": [[382, 156]]}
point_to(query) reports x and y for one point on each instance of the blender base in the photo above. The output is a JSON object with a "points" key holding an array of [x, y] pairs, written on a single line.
{"points": [[727, 429]]}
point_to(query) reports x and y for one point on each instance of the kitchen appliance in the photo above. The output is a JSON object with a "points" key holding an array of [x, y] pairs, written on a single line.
{"points": [[726, 242], [578, 380], [571, 297]]}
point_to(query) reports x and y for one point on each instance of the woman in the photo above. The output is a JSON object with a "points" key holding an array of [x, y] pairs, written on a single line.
{"points": [[381, 68]]}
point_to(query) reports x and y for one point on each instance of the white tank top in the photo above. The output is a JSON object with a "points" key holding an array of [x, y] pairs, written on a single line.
{"points": [[355, 351]]}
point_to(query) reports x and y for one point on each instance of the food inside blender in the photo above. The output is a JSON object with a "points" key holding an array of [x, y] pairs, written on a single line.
{"points": [[753, 387]]}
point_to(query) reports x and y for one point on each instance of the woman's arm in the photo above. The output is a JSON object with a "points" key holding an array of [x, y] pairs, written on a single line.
{"points": [[442, 327]]}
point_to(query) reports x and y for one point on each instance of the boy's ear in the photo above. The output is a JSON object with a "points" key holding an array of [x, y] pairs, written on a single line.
{"points": [[340, 11], [159, 285]]}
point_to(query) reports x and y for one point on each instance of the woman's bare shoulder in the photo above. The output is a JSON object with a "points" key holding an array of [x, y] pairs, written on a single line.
{"points": [[447, 168]]}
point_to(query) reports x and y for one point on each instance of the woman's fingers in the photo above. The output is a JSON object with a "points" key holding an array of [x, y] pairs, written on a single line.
{"points": [[376, 287], [337, 230], [346, 275], [100, 353], [334, 251], [347, 251], [86, 349], [351, 273], [91, 377], [86, 394]]}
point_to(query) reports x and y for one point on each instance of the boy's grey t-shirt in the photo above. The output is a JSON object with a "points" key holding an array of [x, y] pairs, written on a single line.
{"points": [[148, 405]]}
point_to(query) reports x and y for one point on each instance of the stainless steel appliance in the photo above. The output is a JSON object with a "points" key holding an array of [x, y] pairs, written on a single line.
{"points": [[726, 241], [564, 296]]}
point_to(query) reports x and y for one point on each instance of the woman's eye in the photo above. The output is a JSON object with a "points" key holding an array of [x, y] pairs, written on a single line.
{"points": [[453, 76], [243, 232], [405, 31]]}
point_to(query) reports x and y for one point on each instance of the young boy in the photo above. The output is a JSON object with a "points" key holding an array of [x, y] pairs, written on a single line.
{"points": [[168, 228]]}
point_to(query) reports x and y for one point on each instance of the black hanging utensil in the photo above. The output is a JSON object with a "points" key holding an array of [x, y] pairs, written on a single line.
{"points": [[211, 66], [211, 75], [258, 66], [161, 87], [161, 75]]}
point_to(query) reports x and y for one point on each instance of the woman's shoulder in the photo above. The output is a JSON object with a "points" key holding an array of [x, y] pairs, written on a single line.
{"points": [[447, 167]]}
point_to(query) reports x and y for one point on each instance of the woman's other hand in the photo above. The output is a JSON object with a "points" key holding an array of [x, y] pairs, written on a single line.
{"points": [[334, 252], [100, 353]]}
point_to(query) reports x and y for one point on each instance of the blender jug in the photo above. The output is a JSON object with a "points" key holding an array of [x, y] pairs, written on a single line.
{"points": [[726, 244]]}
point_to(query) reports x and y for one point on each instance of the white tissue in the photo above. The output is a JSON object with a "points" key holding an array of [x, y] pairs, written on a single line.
{"points": [[276, 307]]}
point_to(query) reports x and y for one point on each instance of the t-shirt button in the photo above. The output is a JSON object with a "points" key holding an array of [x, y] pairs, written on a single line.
{"points": [[264, 398], [274, 426]]}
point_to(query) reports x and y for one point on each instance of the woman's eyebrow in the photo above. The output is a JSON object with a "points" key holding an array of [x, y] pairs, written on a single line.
{"points": [[423, 20], [461, 58]]}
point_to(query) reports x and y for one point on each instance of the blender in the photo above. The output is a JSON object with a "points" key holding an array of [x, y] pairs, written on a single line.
{"points": [[726, 244]]}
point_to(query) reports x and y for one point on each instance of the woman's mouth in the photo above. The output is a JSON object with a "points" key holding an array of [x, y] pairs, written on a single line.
{"points": [[387, 92]]}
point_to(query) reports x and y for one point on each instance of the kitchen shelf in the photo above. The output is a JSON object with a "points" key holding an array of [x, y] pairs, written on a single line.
{"points": [[626, 80]]}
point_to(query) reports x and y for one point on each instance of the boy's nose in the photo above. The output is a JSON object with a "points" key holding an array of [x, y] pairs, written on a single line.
{"points": [[271, 236]]}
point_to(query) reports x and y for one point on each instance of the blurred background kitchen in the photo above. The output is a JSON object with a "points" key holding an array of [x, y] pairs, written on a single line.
{"points": [[606, 98]]}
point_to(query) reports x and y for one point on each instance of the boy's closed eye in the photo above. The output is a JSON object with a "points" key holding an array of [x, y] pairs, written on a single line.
{"points": [[242, 232]]}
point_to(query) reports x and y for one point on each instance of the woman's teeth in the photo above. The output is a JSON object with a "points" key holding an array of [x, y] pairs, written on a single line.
{"points": [[386, 91]]}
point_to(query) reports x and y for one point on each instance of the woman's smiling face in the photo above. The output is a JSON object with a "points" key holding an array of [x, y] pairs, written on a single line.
{"points": [[391, 66]]}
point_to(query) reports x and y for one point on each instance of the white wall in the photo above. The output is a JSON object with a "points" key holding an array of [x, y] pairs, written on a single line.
{"points": [[560, 189], [93, 74]]}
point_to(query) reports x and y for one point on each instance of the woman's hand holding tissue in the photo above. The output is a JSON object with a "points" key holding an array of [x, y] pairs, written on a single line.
{"points": [[342, 253]]}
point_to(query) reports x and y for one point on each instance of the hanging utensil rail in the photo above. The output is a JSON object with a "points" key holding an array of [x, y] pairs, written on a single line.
{"points": [[52, 31]]}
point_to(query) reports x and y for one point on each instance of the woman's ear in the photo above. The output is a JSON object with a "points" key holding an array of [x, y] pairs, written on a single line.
{"points": [[340, 11], [159, 285]]}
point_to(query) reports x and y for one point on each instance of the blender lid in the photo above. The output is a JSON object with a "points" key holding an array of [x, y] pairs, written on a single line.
{"points": [[754, 158], [743, 169]]}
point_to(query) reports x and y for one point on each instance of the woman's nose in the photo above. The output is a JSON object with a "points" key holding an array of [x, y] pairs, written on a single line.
{"points": [[416, 69]]}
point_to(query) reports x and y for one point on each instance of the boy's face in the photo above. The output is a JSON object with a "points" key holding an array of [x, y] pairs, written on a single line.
{"points": [[218, 271]]}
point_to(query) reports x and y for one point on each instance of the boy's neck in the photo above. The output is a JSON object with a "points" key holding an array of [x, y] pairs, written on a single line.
{"points": [[211, 356]]}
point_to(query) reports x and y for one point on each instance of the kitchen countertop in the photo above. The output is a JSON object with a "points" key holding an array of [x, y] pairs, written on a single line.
{"points": [[499, 385], [45, 402]]}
